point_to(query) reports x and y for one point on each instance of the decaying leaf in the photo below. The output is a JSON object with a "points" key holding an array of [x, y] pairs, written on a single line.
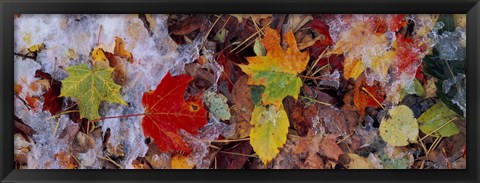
{"points": [[269, 131], [217, 104], [358, 162], [399, 127], [167, 112], [51, 100], [90, 87]]}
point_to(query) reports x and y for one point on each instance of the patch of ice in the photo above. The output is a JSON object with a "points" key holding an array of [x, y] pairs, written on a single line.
{"points": [[24, 75], [154, 55], [448, 45], [460, 97], [331, 80]]}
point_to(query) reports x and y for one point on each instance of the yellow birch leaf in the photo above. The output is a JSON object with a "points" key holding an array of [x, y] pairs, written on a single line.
{"points": [[269, 131], [399, 127]]}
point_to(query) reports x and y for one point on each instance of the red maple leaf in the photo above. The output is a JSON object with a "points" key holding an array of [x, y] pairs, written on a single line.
{"points": [[166, 112]]}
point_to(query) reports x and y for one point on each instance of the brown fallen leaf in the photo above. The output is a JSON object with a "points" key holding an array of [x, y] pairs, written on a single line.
{"points": [[51, 101], [20, 127], [69, 133], [65, 160], [188, 25], [156, 158], [338, 122], [242, 96], [329, 148], [22, 148], [234, 161], [301, 116], [82, 143]]}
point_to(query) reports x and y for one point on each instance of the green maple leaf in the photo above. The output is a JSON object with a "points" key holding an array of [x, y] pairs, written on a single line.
{"points": [[90, 87]]}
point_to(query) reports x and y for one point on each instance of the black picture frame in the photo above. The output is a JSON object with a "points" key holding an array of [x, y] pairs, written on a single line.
{"points": [[10, 7]]}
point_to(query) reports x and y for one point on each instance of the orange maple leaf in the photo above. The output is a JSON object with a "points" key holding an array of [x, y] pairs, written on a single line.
{"points": [[365, 95]]}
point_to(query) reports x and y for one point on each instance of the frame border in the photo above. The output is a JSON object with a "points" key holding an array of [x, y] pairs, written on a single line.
{"points": [[10, 7]]}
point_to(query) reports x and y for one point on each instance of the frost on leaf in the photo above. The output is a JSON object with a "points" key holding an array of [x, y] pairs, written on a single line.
{"points": [[278, 70], [269, 132], [217, 104], [166, 112], [90, 87], [399, 127]]}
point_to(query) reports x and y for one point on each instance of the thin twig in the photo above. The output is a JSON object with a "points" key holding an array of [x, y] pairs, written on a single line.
{"points": [[62, 113], [312, 100], [111, 161], [239, 154], [232, 140], [438, 128], [210, 30], [253, 35], [349, 135]]}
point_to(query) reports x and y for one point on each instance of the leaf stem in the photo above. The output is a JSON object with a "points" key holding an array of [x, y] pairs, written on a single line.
{"points": [[114, 117]]}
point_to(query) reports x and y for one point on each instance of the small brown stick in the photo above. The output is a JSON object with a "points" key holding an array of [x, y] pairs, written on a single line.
{"points": [[348, 136], [111, 161], [99, 32], [433, 146], [210, 30], [253, 35], [239, 154], [226, 141]]}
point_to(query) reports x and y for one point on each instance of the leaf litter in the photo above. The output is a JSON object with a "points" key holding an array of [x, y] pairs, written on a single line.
{"points": [[247, 91]]}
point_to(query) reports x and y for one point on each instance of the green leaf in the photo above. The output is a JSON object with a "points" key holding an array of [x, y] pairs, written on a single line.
{"points": [[399, 127], [259, 49], [221, 35], [278, 85], [435, 117], [269, 131], [90, 87], [417, 90]]}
